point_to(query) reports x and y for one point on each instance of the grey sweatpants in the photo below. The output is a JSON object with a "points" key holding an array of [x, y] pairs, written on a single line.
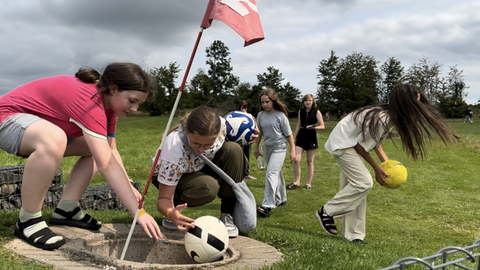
{"points": [[275, 191]]}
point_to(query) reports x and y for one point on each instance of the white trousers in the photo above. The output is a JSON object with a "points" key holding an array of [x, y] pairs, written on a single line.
{"points": [[350, 203], [275, 191]]}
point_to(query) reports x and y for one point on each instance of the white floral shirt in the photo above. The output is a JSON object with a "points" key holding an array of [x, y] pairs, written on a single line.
{"points": [[176, 159]]}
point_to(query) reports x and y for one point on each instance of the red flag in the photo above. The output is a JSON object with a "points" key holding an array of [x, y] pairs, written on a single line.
{"points": [[241, 15]]}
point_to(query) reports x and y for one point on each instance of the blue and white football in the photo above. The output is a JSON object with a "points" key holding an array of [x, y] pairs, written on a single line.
{"points": [[240, 127]]}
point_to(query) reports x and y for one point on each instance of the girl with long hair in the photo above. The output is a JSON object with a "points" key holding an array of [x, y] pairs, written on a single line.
{"points": [[362, 131], [272, 122]]}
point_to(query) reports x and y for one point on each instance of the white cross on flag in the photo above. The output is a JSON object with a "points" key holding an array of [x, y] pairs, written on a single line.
{"points": [[241, 15]]}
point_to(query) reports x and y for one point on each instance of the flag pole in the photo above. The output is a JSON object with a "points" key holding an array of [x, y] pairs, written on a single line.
{"points": [[172, 114]]}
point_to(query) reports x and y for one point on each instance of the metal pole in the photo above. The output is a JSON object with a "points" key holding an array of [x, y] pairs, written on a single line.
{"points": [[172, 114]]}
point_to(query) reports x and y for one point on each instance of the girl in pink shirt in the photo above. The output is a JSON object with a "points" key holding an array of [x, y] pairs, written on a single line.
{"points": [[55, 117]]}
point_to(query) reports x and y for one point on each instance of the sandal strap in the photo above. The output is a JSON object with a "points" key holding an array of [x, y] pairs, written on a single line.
{"points": [[329, 227], [45, 234], [28, 223], [328, 223], [89, 219], [326, 217], [69, 214]]}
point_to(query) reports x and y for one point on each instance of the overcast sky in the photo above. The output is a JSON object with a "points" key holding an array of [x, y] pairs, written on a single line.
{"points": [[40, 38]]}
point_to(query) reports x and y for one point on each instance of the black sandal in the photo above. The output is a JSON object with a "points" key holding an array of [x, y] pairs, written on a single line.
{"points": [[281, 204], [40, 238], [263, 211], [327, 222], [292, 186], [87, 222]]}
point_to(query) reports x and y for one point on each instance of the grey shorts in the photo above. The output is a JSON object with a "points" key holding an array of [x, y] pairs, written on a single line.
{"points": [[12, 130]]}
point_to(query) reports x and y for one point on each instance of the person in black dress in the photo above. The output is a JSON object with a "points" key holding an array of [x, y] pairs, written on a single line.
{"points": [[309, 120]]}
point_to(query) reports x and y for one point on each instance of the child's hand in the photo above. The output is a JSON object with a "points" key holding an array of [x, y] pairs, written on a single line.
{"points": [[256, 132], [257, 154], [380, 175], [183, 223], [149, 225]]}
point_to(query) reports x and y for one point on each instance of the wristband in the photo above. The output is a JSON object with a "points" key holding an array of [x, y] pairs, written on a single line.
{"points": [[168, 213], [142, 212]]}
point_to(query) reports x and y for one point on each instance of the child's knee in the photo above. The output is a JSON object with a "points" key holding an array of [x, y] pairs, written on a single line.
{"points": [[199, 196]]}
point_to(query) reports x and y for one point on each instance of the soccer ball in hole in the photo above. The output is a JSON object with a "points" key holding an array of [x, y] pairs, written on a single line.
{"points": [[208, 241], [397, 172], [240, 127]]}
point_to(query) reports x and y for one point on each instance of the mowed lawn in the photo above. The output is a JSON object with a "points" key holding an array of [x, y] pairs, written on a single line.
{"points": [[437, 207]]}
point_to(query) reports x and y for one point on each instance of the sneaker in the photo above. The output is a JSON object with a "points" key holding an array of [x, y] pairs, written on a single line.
{"points": [[169, 225], [250, 177], [231, 228]]}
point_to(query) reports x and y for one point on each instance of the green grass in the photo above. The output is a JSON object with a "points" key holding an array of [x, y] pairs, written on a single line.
{"points": [[437, 206]]}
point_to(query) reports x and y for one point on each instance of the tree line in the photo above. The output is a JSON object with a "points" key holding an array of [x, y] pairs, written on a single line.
{"points": [[344, 84]]}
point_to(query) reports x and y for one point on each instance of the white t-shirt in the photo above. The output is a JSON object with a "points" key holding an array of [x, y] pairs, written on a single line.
{"points": [[176, 159], [347, 133]]}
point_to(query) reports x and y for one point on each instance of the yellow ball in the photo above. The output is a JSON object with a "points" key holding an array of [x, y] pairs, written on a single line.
{"points": [[397, 173]]}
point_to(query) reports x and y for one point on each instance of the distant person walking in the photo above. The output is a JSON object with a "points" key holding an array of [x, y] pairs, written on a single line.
{"points": [[327, 116], [243, 106], [274, 127], [306, 139], [468, 115]]}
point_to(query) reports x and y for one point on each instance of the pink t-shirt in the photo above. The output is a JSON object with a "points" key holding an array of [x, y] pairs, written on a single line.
{"points": [[64, 101]]}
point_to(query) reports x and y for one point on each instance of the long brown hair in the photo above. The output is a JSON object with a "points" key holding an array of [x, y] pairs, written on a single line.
{"points": [[277, 104], [416, 121], [126, 76]]}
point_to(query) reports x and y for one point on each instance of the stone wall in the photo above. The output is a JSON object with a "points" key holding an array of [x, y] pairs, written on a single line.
{"points": [[98, 197]]}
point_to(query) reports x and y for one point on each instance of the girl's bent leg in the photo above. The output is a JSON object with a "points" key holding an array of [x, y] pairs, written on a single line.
{"points": [[232, 161], [45, 145], [68, 211], [196, 189]]}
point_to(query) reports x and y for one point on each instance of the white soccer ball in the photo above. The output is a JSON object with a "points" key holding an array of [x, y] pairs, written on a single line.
{"points": [[208, 241], [240, 127]]}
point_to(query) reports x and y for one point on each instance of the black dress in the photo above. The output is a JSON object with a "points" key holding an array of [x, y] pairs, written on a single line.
{"points": [[307, 138]]}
